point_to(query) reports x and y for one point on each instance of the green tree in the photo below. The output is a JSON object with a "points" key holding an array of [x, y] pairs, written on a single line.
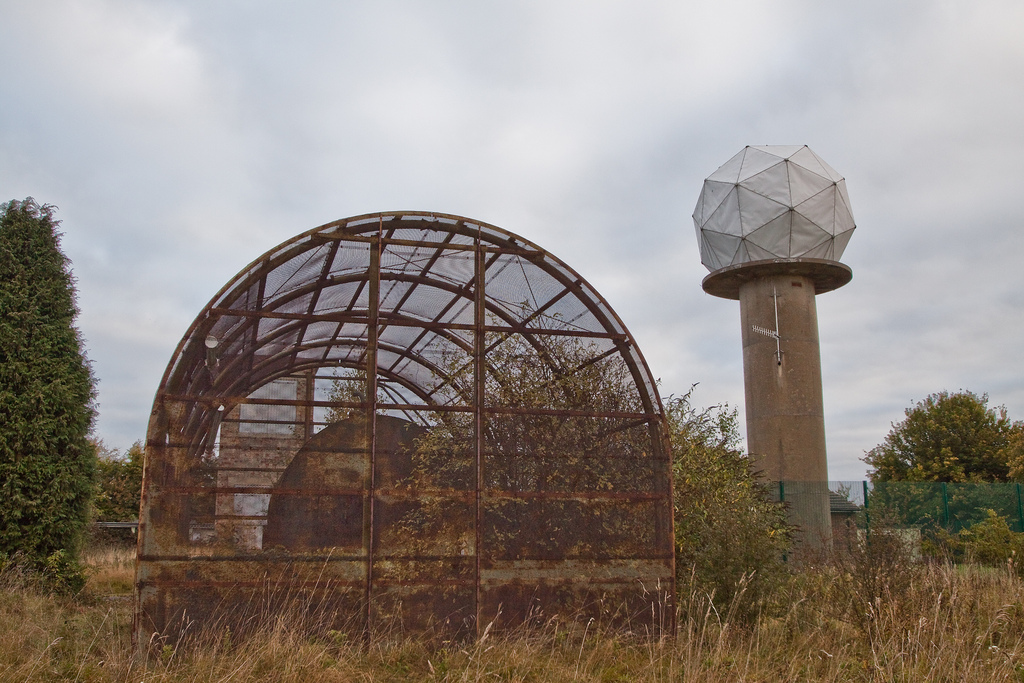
{"points": [[949, 437], [47, 464], [730, 538], [118, 483]]}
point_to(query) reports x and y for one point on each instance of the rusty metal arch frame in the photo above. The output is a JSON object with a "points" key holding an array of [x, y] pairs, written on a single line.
{"points": [[196, 382], [363, 229]]}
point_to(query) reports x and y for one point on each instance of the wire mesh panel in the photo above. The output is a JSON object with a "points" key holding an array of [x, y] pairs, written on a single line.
{"points": [[951, 506], [405, 421]]}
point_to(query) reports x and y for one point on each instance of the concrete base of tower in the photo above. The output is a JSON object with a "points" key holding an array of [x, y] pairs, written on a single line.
{"points": [[809, 511], [782, 378]]}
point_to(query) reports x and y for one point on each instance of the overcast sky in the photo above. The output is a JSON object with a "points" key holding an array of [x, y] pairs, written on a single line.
{"points": [[180, 140]]}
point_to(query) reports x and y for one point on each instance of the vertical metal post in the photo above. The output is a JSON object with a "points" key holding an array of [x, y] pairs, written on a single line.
{"points": [[945, 506], [310, 395], [1020, 511], [867, 512], [371, 412], [782, 500], [479, 385]]}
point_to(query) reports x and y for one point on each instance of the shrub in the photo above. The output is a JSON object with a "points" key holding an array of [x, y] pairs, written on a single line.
{"points": [[990, 543], [730, 538]]}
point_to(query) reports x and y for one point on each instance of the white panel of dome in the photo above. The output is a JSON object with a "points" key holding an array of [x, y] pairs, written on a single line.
{"points": [[755, 161], [756, 253], [726, 218], [805, 236], [773, 183], [714, 194], [820, 210], [823, 250], [804, 184], [781, 151], [722, 246], [812, 162], [729, 172], [775, 236], [757, 210], [839, 244]]}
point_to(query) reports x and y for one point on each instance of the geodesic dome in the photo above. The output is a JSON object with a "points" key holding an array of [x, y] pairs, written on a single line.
{"points": [[772, 202], [405, 421]]}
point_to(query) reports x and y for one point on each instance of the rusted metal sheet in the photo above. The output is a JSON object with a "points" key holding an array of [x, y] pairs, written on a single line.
{"points": [[405, 422]]}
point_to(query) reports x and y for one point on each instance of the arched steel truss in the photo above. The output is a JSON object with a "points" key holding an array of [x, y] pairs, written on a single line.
{"points": [[433, 314]]}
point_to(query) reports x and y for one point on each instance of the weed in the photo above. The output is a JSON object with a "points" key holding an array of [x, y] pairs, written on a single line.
{"points": [[853, 620]]}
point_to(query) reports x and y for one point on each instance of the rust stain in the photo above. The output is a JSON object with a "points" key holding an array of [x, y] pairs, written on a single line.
{"points": [[410, 422]]}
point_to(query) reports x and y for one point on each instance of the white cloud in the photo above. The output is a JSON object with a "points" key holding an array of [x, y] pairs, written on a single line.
{"points": [[182, 139], [127, 59]]}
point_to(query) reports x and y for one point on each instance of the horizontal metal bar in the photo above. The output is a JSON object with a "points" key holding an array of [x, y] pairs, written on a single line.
{"points": [[589, 560], [496, 494], [558, 412], [292, 557], [292, 584], [276, 559], [303, 403], [417, 407], [512, 578], [388, 321], [463, 495], [513, 250]]}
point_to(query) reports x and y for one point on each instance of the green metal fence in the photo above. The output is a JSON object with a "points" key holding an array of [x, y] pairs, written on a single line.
{"points": [[929, 505]]}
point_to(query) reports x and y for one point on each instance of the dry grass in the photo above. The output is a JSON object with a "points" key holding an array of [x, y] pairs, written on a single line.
{"points": [[111, 570], [945, 624]]}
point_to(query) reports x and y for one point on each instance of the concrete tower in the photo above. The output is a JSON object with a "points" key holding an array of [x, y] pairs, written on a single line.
{"points": [[772, 223]]}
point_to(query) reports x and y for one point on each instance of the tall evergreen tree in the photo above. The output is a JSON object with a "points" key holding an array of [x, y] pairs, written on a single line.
{"points": [[47, 465]]}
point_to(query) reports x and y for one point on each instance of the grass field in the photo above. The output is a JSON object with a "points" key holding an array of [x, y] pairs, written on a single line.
{"points": [[935, 622]]}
